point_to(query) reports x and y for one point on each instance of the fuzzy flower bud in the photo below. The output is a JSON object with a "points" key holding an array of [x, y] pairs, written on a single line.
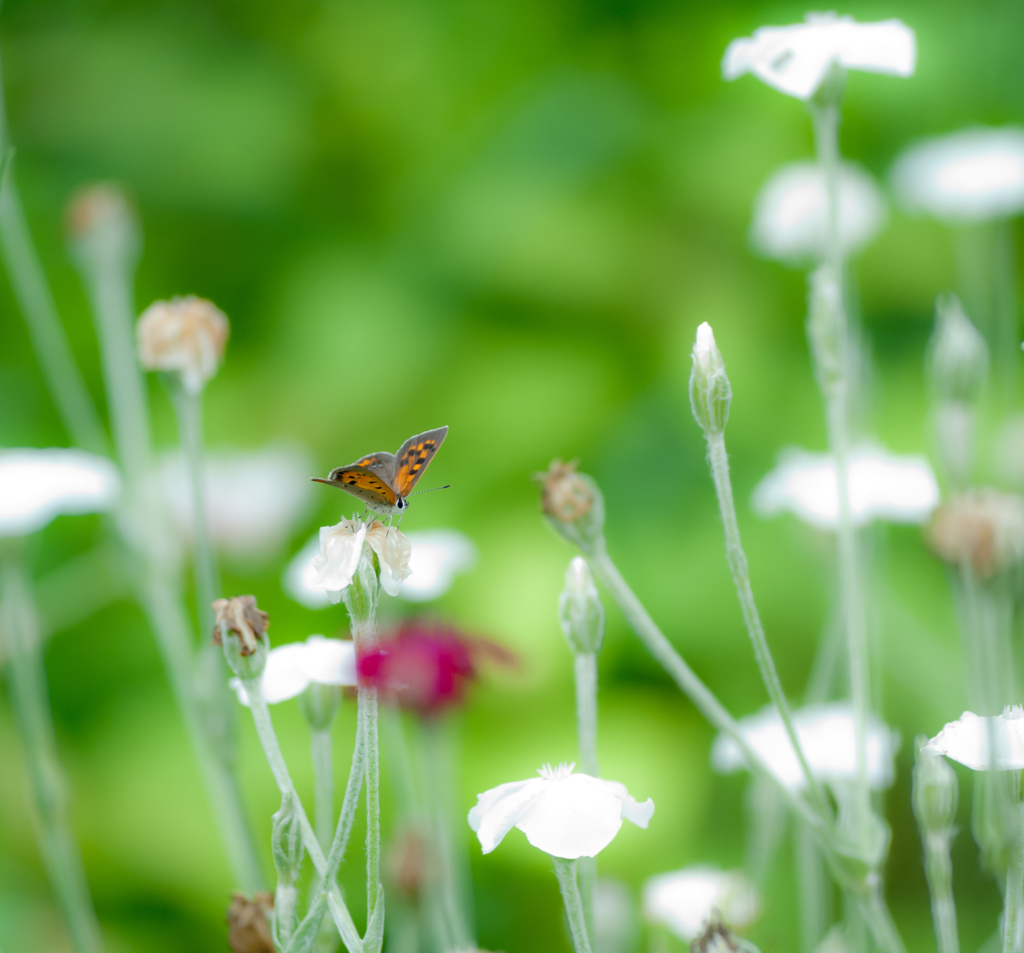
{"points": [[935, 791], [288, 850], [187, 335], [240, 626], [248, 931], [573, 504], [710, 391], [580, 611], [958, 353], [982, 528]]}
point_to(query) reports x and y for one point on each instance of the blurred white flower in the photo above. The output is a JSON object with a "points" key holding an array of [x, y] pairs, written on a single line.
{"points": [[969, 176], [564, 814], [341, 547], [254, 498], [795, 59], [828, 737], [899, 489], [290, 668], [36, 486], [791, 212], [393, 551], [436, 557], [684, 900], [187, 335], [984, 744]]}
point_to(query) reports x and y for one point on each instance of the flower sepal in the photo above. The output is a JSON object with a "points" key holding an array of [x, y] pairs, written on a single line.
{"points": [[240, 627], [573, 505]]}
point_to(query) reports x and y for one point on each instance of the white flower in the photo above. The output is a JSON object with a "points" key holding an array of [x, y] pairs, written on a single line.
{"points": [[184, 334], [685, 899], [36, 486], [341, 547], [828, 737], [253, 498], [564, 814], [899, 489], [969, 176], [984, 744], [794, 59], [393, 551], [438, 556], [791, 212], [290, 668]]}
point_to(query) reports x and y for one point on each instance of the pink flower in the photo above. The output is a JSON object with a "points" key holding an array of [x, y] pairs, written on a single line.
{"points": [[425, 666]]}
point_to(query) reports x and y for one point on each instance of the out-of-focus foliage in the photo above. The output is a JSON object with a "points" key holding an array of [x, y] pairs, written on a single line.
{"points": [[508, 217]]}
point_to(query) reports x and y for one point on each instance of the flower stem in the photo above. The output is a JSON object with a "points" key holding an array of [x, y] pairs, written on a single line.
{"points": [[19, 627], [938, 868], [585, 671], [739, 568], [565, 871], [876, 915], [323, 785], [272, 750], [814, 889]]}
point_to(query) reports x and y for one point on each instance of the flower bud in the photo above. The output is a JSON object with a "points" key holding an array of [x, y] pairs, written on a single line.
{"points": [[288, 850], [573, 504], [935, 790], [103, 228], [981, 528], [240, 627], [248, 931], [710, 391], [580, 611], [958, 355], [187, 335], [319, 704]]}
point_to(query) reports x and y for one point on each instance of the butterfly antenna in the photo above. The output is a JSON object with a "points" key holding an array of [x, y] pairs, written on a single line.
{"points": [[447, 486]]}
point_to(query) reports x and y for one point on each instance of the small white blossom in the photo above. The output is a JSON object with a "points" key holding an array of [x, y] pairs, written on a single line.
{"points": [[984, 744], [290, 668], [898, 489], [36, 486], [393, 551], [438, 556], [254, 498], [187, 335], [564, 814], [684, 900], [341, 547], [969, 176], [795, 59], [827, 735], [791, 212]]}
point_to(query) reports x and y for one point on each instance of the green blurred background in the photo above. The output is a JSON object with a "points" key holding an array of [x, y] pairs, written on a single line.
{"points": [[508, 217]]}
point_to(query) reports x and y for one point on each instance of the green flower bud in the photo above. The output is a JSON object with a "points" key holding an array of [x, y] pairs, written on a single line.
{"points": [[935, 791], [241, 628], [710, 390], [319, 704], [286, 844], [958, 355], [579, 608]]}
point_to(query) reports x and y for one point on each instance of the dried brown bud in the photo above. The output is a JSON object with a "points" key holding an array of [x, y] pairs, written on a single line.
{"points": [[247, 920], [716, 938], [96, 208], [242, 616], [565, 494], [983, 528], [187, 335]]}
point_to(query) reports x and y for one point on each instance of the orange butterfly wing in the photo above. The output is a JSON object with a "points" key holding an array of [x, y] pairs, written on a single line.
{"points": [[414, 457], [364, 483]]}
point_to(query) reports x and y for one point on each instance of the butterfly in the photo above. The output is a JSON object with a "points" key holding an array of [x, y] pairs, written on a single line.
{"points": [[383, 481]]}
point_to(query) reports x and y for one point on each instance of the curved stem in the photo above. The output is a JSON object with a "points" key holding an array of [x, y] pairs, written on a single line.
{"points": [[323, 785], [565, 871]]}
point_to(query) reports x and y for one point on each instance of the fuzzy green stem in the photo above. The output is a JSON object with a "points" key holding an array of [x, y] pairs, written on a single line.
{"points": [[737, 559], [814, 889], [26, 677], [565, 871], [876, 916], [1015, 872], [323, 785], [585, 671], [938, 868], [272, 751]]}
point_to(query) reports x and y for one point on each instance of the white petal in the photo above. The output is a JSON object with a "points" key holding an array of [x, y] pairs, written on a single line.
{"points": [[573, 817], [297, 579], [340, 551], [632, 810], [888, 46], [393, 552], [791, 212], [36, 486], [284, 676], [498, 810], [984, 744], [437, 556], [968, 176], [685, 899], [827, 736], [898, 489], [329, 661]]}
